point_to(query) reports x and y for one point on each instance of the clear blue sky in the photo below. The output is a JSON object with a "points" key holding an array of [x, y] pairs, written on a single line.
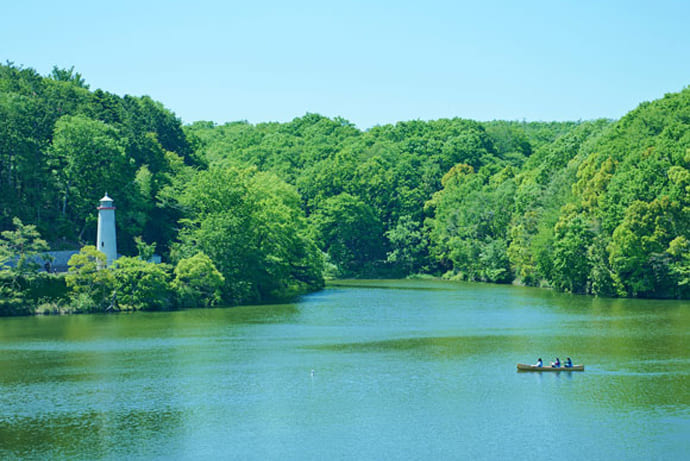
{"points": [[371, 62]]}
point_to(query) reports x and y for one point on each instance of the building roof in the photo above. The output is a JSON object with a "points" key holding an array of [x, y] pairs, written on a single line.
{"points": [[56, 261]]}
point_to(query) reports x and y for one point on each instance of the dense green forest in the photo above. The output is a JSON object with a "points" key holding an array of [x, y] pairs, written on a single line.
{"points": [[249, 213]]}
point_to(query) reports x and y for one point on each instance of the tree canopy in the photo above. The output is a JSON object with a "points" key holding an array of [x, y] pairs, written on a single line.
{"points": [[250, 213]]}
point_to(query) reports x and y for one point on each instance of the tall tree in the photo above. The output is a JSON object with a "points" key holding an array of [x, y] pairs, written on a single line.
{"points": [[251, 226]]}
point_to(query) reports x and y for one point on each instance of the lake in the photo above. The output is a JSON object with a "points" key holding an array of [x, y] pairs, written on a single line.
{"points": [[401, 370]]}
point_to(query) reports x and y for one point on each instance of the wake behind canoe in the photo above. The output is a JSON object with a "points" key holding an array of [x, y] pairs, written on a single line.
{"points": [[525, 367]]}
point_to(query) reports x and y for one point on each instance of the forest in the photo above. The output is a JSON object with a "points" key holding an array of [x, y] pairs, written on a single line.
{"points": [[247, 213]]}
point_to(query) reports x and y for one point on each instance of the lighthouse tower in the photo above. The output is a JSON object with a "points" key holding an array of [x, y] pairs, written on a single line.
{"points": [[105, 239]]}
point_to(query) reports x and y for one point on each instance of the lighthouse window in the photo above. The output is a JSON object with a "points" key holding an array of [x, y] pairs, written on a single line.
{"points": [[102, 244]]}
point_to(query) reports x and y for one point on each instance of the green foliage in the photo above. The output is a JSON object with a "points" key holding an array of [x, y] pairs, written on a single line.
{"points": [[68, 75], [197, 281], [549, 219], [571, 267], [145, 250], [252, 228], [599, 207], [545, 185], [88, 159], [136, 284], [141, 285], [21, 285], [393, 170], [21, 294], [12, 299], [19, 248], [633, 190], [349, 232], [512, 138], [639, 245], [409, 246], [87, 278], [62, 147], [469, 230], [679, 265]]}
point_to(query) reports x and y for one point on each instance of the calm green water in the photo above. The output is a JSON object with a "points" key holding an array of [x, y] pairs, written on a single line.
{"points": [[402, 370]]}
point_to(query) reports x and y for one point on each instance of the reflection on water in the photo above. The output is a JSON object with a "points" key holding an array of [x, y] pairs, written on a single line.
{"points": [[402, 370]]}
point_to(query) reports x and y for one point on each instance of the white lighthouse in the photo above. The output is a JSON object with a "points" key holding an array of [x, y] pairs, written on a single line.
{"points": [[105, 239]]}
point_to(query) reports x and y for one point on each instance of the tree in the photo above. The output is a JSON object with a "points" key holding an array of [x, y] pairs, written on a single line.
{"points": [[25, 182], [679, 250], [145, 250], [252, 228], [141, 285], [571, 266], [88, 159], [92, 288], [349, 231], [638, 250], [197, 282], [21, 248], [68, 75], [410, 246], [468, 232]]}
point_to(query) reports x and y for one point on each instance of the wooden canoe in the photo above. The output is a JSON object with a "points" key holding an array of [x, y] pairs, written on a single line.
{"points": [[525, 367]]}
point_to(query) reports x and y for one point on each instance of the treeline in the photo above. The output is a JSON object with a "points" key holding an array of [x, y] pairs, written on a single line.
{"points": [[416, 197], [367, 194], [597, 207]]}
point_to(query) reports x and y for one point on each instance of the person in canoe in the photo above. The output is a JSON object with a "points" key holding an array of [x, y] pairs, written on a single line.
{"points": [[539, 363], [568, 363], [557, 363]]}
